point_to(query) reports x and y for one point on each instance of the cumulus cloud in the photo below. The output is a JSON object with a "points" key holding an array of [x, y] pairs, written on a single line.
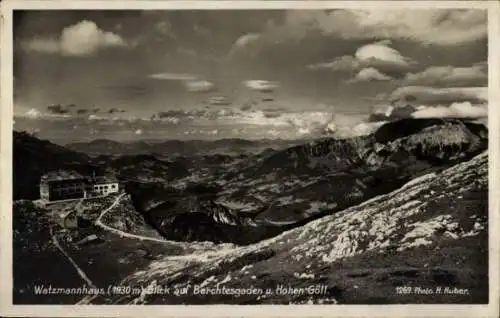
{"points": [[273, 133], [33, 113], [341, 126], [382, 96], [43, 45], [81, 39], [455, 110], [392, 113], [201, 30], [345, 63], [178, 116], [289, 124], [192, 82], [173, 76], [170, 120], [449, 26], [261, 85], [429, 26], [243, 42], [307, 122], [166, 117], [93, 117], [368, 60], [212, 132], [164, 27], [219, 100], [303, 131], [246, 39], [199, 86], [357, 129], [450, 75], [86, 38], [426, 95], [257, 118], [370, 74], [381, 53]]}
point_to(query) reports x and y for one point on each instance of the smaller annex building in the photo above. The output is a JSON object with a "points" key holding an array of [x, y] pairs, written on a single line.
{"points": [[104, 186]]}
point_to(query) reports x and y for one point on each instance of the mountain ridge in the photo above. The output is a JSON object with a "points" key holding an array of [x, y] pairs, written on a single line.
{"points": [[174, 146], [292, 187]]}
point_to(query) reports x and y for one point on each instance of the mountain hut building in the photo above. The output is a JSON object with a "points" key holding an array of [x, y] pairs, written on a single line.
{"points": [[66, 185]]}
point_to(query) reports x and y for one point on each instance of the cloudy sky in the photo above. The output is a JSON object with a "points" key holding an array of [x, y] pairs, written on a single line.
{"points": [[80, 75]]}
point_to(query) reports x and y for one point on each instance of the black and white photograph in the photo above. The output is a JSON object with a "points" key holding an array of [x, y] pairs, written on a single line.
{"points": [[255, 156]]}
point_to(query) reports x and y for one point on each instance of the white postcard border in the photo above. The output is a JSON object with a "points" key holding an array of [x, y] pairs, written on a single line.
{"points": [[6, 124]]}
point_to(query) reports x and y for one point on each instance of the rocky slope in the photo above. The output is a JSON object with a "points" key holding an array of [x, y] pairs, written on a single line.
{"points": [[430, 232]]}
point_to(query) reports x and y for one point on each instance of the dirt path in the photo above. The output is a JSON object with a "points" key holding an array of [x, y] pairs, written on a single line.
{"points": [[80, 272], [121, 233], [78, 269], [87, 299]]}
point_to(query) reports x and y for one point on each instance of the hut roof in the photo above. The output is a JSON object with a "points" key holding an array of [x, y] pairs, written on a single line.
{"points": [[105, 179], [61, 175]]}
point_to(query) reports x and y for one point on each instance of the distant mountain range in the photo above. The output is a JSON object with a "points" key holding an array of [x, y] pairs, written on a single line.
{"points": [[178, 147]]}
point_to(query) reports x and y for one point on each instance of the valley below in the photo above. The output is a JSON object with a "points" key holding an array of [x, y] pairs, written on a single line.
{"points": [[346, 221]]}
